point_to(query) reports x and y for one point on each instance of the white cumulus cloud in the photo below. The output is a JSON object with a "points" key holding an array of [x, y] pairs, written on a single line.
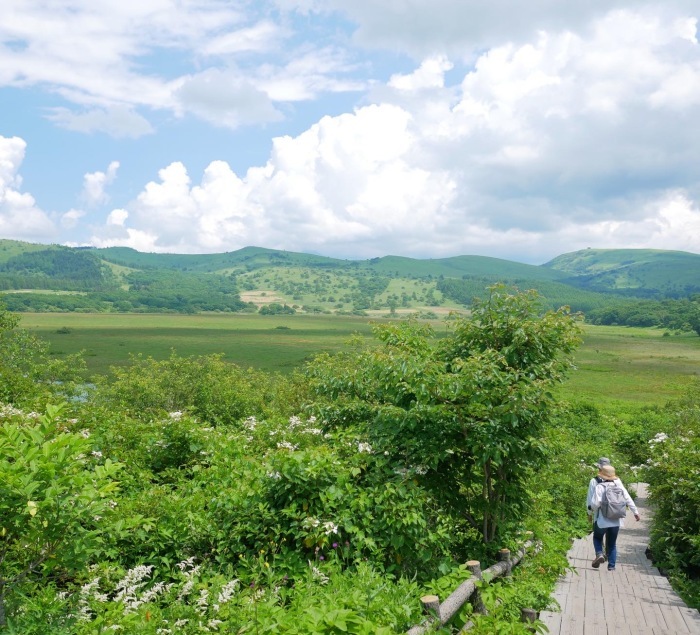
{"points": [[553, 144], [94, 184], [20, 217]]}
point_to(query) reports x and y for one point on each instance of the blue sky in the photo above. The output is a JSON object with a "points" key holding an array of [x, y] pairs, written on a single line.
{"points": [[351, 128]]}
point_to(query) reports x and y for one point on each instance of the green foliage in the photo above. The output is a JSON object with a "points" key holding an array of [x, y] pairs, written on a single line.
{"points": [[673, 473], [28, 374], [241, 511], [643, 273], [553, 294], [275, 308], [466, 410], [56, 268], [677, 315], [211, 389], [53, 495]]}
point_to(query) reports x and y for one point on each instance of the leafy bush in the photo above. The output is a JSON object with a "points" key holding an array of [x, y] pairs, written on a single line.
{"points": [[53, 495], [673, 473]]}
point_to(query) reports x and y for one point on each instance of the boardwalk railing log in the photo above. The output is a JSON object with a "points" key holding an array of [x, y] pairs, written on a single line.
{"points": [[442, 613]]}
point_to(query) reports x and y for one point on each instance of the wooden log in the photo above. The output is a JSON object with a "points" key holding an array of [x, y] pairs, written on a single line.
{"points": [[504, 556], [478, 605], [431, 605], [456, 600], [529, 616]]}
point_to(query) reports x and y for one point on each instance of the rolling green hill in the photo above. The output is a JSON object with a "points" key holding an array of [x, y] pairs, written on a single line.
{"points": [[56, 278], [643, 273]]}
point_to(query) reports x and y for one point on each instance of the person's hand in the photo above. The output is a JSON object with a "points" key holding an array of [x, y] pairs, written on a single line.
{"points": [[637, 517]]}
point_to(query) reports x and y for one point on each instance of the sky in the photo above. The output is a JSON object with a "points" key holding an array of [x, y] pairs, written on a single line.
{"points": [[351, 128]]}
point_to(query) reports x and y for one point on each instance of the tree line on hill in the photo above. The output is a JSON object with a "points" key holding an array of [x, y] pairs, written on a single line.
{"points": [[59, 279], [676, 315]]}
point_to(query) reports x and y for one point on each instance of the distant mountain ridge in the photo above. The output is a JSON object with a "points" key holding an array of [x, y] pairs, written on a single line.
{"points": [[123, 279], [646, 273]]}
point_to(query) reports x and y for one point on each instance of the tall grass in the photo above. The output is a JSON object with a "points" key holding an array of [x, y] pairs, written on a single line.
{"points": [[615, 365]]}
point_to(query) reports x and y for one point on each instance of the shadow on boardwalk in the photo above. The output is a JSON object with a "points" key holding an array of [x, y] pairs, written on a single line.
{"points": [[635, 599]]}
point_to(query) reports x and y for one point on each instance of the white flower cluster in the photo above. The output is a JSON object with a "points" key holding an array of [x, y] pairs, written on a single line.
{"points": [[310, 523], [659, 438], [250, 423], [318, 575], [190, 570], [226, 594], [6, 410], [175, 416], [286, 445], [330, 528], [128, 587], [294, 422], [364, 447]]}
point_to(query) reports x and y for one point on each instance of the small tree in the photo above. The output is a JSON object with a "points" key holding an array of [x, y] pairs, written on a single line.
{"points": [[53, 495], [28, 373], [468, 408]]}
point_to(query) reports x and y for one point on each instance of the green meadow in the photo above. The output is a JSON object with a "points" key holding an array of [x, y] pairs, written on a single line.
{"points": [[271, 343], [615, 365]]}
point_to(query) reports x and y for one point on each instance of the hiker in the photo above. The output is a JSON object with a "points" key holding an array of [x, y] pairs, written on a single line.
{"points": [[609, 507]]}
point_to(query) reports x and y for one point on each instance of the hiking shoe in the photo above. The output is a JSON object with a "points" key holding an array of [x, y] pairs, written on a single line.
{"points": [[611, 568], [599, 559]]}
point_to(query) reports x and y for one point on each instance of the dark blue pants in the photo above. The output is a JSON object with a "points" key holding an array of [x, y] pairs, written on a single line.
{"points": [[610, 535]]}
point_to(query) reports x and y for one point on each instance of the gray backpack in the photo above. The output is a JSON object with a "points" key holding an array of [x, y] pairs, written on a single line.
{"points": [[613, 504]]}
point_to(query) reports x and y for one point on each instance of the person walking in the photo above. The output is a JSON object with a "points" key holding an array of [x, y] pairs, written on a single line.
{"points": [[609, 505], [602, 461]]}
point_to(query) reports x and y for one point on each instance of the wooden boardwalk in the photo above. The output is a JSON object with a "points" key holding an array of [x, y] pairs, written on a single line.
{"points": [[635, 599]]}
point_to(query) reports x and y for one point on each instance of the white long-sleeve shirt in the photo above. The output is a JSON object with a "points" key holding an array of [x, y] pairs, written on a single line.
{"points": [[596, 500]]}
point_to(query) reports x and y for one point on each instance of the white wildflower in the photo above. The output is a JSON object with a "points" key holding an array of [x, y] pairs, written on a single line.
{"points": [[330, 528], [227, 591], [310, 522], [185, 590], [203, 601], [97, 454], [659, 438], [181, 622], [250, 423], [364, 447], [185, 564], [286, 445], [85, 433], [318, 575], [274, 475], [294, 422], [126, 589], [175, 416]]}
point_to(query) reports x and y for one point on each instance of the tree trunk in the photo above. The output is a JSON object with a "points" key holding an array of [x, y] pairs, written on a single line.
{"points": [[3, 621]]}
